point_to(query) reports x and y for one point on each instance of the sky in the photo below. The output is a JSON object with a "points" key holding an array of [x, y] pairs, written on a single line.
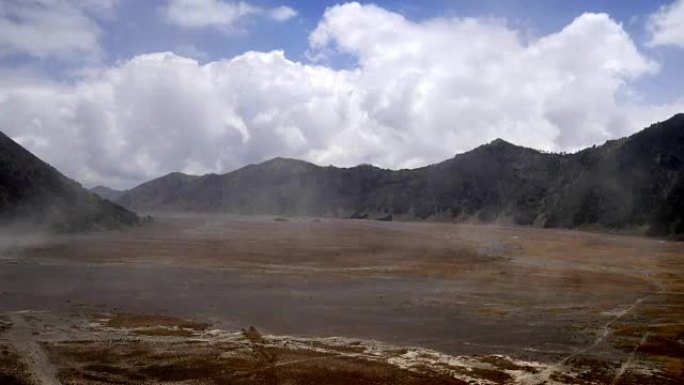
{"points": [[117, 92]]}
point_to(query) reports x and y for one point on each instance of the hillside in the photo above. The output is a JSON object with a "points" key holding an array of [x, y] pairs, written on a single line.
{"points": [[635, 182], [105, 192], [34, 193], [158, 193]]}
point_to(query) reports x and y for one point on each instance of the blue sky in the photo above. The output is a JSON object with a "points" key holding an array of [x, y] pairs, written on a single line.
{"points": [[144, 32], [138, 28], [394, 83]]}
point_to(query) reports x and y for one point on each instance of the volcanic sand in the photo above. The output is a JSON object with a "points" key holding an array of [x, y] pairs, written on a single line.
{"points": [[333, 299]]}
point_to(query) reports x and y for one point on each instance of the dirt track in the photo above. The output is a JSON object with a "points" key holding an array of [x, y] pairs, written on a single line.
{"points": [[564, 299]]}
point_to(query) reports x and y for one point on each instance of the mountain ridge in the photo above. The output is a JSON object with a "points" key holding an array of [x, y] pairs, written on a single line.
{"points": [[33, 193], [634, 182], [105, 192]]}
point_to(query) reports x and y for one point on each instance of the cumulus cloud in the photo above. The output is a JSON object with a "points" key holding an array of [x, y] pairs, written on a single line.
{"points": [[419, 92], [667, 25], [465, 80], [162, 112], [219, 14], [52, 28]]}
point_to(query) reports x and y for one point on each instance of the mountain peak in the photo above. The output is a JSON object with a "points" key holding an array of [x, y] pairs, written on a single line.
{"points": [[495, 145], [501, 142], [176, 173], [677, 119], [178, 176], [283, 160], [281, 164]]}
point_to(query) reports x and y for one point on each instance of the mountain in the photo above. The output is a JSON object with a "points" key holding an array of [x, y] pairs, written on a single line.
{"points": [[634, 183], [105, 192], [637, 180], [158, 192], [34, 193]]}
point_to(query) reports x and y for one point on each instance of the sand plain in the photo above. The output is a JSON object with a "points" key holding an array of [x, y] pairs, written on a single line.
{"points": [[233, 299]]}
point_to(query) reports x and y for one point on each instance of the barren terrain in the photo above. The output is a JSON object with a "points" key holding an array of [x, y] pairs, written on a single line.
{"points": [[251, 300]]}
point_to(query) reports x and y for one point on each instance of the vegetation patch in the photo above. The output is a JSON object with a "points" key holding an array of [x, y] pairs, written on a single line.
{"points": [[5, 324], [505, 363], [138, 362], [163, 332], [347, 348], [13, 371], [129, 320]]}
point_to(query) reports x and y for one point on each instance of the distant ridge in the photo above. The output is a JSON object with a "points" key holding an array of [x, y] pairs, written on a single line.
{"points": [[635, 183], [105, 192], [33, 193], [158, 192]]}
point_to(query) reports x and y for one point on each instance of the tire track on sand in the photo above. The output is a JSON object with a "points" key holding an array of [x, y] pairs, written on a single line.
{"points": [[20, 336], [544, 376], [625, 365]]}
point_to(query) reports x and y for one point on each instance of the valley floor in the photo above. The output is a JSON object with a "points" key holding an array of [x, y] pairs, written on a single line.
{"points": [[230, 299]]}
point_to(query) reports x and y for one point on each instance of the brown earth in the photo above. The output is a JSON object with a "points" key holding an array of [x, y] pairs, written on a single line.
{"points": [[128, 320], [13, 371], [526, 305]]}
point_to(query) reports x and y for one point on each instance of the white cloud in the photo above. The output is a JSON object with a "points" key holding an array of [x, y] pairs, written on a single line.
{"points": [[52, 28], [420, 93], [162, 112], [468, 80], [282, 13], [218, 13], [667, 25], [206, 13]]}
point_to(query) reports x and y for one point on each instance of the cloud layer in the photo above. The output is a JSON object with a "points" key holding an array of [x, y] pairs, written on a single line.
{"points": [[418, 93], [219, 14], [51, 28], [667, 25]]}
